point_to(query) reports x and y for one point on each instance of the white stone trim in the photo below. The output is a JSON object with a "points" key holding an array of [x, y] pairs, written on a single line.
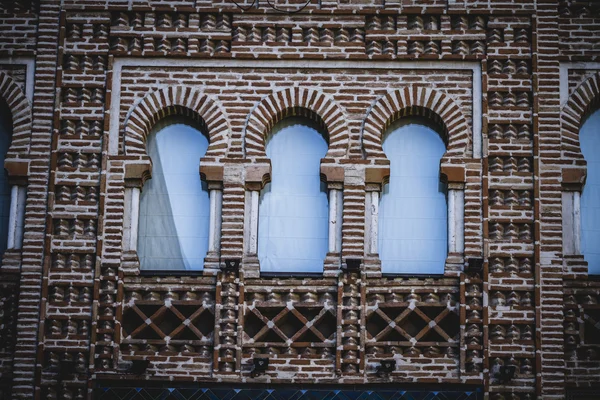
{"points": [[371, 222], [577, 222], [131, 218], [16, 218], [29, 63], [475, 67], [214, 227], [251, 223], [571, 212], [563, 71], [336, 208], [456, 221]]}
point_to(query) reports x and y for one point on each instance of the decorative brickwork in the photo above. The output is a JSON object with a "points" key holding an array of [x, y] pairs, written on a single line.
{"points": [[506, 83], [20, 109], [281, 104], [176, 101], [581, 103], [411, 101]]}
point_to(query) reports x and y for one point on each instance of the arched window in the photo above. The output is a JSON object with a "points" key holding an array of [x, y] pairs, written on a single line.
{"points": [[589, 138], [6, 127], [413, 215], [174, 204], [293, 210]]}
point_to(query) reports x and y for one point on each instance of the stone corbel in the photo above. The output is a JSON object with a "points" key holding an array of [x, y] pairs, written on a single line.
{"points": [[138, 171], [453, 174], [257, 176], [18, 171], [211, 173], [573, 178], [333, 174]]}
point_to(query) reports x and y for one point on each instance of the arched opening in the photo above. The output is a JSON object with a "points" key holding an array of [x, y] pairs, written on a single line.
{"points": [[174, 205], [6, 130], [293, 210], [589, 139], [413, 212]]}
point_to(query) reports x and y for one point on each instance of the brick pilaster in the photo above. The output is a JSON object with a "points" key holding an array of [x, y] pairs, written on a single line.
{"points": [[36, 208], [549, 282]]}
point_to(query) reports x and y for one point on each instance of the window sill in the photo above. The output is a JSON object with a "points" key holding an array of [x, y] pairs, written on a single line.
{"points": [[170, 273], [291, 275], [392, 275]]}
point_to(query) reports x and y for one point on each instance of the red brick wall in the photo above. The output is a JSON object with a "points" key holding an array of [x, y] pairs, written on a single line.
{"points": [[79, 298]]}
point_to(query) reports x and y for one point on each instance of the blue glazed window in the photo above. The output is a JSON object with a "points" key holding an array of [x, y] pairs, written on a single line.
{"points": [[413, 213], [589, 138], [293, 209], [174, 204]]}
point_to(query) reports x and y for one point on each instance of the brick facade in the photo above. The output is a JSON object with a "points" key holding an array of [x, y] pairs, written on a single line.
{"points": [[507, 83]]}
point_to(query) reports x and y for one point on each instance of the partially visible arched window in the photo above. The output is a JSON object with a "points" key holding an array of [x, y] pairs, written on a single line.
{"points": [[174, 204], [6, 128], [293, 210], [413, 214], [589, 138]]}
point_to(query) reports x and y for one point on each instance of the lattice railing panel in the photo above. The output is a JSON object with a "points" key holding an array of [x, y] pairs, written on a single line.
{"points": [[298, 321], [167, 321], [412, 321]]}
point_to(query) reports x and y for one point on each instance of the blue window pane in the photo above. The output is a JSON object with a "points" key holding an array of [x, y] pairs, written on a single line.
{"points": [[293, 210], [589, 137], [5, 139], [413, 215], [174, 204]]}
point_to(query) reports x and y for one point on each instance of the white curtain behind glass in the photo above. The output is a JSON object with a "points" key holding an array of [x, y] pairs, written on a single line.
{"points": [[293, 210], [174, 204], [413, 214], [589, 138], [5, 139]]}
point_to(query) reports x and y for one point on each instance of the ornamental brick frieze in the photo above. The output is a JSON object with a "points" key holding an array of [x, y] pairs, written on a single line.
{"points": [[507, 84], [222, 34], [170, 321]]}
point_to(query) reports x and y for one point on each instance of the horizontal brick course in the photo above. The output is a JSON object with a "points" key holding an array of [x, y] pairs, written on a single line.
{"points": [[107, 71]]}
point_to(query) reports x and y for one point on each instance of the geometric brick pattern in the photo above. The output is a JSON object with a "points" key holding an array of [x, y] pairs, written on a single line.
{"points": [[414, 101], [580, 104], [71, 300], [159, 104], [162, 322], [274, 107], [21, 116]]}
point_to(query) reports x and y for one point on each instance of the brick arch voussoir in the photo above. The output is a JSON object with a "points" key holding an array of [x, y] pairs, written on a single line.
{"points": [[580, 103], [383, 111], [21, 113], [270, 109], [173, 100]]}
